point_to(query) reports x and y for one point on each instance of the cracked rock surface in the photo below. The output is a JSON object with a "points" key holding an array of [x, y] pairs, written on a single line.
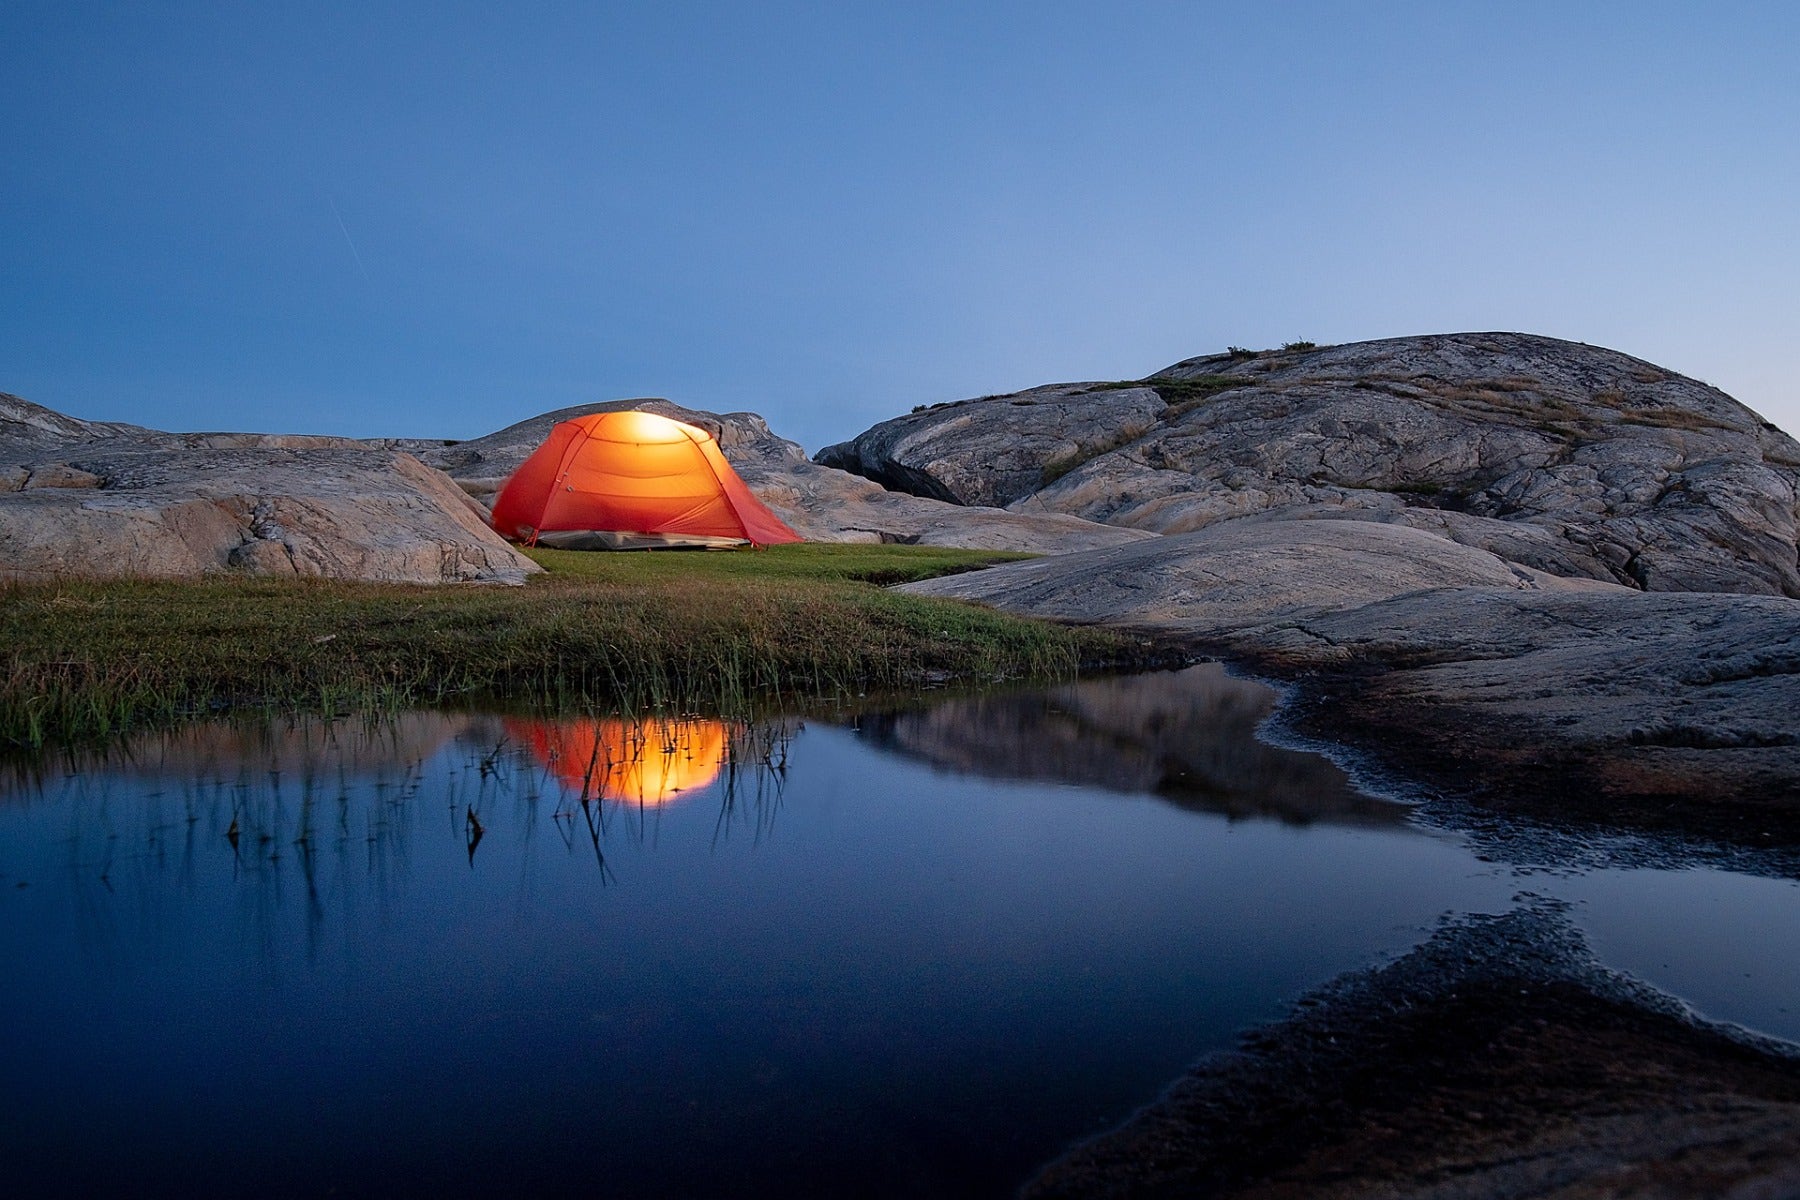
{"points": [[104, 499], [1243, 575], [1569, 458], [1570, 701], [1672, 715]]}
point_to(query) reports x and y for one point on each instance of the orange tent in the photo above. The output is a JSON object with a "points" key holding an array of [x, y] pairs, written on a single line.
{"points": [[619, 480]]}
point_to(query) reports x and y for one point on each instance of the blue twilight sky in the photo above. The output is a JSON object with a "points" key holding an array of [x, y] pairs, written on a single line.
{"points": [[435, 219]]}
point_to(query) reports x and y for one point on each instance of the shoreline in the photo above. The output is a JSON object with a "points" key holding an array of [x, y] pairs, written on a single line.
{"points": [[1499, 1058], [86, 659], [1467, 776], [1543, 803]]}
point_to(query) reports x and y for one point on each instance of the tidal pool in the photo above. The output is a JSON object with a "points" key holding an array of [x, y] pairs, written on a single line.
{"points": [[914, 953]]}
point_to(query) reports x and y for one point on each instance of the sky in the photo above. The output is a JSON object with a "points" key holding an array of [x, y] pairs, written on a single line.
{"points": [[436, 219]]}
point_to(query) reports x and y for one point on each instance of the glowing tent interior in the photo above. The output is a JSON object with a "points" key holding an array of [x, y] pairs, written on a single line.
{"points": [[628, 480]]}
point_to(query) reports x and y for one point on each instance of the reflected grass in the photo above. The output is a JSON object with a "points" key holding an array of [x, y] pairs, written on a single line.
{"points": [[668, 630]]}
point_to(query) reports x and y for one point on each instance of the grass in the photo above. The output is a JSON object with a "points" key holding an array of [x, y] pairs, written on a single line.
{"points": [[1056, 468], [1181, 395], [685, 630], [1673, 418]]}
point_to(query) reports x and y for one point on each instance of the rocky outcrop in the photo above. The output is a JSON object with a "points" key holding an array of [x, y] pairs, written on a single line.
{"points": [[827, 505], [999, 449], [110, 499], [27, 428], [1673, 714], [1571, 459], [1243, 575], [1446, 543], [820, 503], [1497, 1060], [116, 500], [1577, 701]]}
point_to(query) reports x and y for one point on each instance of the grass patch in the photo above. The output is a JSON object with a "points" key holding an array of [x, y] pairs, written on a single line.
{"points": [[639, 631], [1056, 468], [1181, 395], [1673, 418]]}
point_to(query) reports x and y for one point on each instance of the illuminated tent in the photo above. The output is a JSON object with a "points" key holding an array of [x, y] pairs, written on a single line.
{"points": [[640, 762], [624, 480]]}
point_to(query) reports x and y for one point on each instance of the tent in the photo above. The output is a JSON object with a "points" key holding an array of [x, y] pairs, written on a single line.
{"points": [[625, 480]]}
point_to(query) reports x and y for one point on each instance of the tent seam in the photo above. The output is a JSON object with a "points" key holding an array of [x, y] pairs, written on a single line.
{"points": [[562, 472]]}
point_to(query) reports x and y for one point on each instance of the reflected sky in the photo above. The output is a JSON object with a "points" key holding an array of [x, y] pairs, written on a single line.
{"points": [[827, 968]]}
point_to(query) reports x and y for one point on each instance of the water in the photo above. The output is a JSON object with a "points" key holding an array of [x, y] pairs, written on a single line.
{"points": [[914, 955]]}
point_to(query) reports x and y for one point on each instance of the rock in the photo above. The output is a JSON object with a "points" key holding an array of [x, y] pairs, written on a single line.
{"points": [[1569, 458], [58, 475], [1568, 700], [1497, 1060], [111, 500], [1242, 574], [827, 505], [1677, 714], [820, 503], [1023, 440], [26, 427]]}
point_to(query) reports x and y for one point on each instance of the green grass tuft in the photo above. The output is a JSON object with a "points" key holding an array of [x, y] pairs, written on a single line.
{"points": [[1181, 395], [665, 629]]}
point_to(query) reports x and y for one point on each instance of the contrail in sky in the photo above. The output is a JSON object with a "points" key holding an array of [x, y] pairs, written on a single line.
{"points": [[348, 242]]}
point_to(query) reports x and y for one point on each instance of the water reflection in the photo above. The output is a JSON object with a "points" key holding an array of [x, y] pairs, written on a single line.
{"points": [[639, 762], [1187, 736], [809, 966], [309, 812], [290, 797], [378, 958], [608, 764], [240, 752]]}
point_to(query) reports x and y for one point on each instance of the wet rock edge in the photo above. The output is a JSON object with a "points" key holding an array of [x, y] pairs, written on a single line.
{"points": [[1521, 795], [1498, 1058]]}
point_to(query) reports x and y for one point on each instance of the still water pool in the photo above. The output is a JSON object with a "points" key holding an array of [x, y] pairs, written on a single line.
{"points": [[914, 953]]}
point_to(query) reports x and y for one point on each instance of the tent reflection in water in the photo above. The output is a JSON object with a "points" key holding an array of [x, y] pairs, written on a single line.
{"points": [[647, 763], [632, 480]]}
